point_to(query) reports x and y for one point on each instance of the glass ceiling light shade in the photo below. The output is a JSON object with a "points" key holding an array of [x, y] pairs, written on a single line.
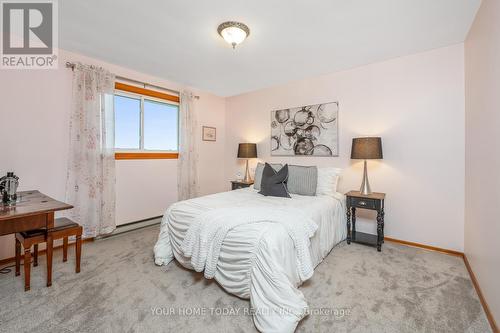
{"points": [[233, 32]]}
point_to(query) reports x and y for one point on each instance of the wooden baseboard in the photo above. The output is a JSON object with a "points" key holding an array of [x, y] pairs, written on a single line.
{"points": [[486, 308], [427, 247], [40, 253], [462, 255]]}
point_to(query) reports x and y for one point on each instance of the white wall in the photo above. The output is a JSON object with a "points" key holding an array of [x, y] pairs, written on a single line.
{"points": [[34, 134], [482, 151], [416, 104]]}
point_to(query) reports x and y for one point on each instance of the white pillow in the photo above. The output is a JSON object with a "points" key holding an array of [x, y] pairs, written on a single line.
{"points": [[327, 180]]}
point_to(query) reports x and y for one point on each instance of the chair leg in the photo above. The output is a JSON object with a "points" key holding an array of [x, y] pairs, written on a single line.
{"points": [[27, 268], [35, 255], [78, 250], [65, 249], [50, 246], [18, 257]]}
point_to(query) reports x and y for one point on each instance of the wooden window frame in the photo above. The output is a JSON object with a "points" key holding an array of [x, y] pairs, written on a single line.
{"points": [[145, 156], [146, 92], [140, 154]]}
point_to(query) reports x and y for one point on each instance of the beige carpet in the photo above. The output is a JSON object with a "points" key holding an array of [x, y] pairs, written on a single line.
{"points": [[355, 289]]}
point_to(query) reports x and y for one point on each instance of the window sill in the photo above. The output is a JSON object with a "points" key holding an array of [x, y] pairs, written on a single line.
{"points": [[146, 156]]}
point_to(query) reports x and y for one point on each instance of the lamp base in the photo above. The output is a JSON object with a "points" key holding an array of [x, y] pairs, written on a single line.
{"points": [[365, 184], [247, 178]]}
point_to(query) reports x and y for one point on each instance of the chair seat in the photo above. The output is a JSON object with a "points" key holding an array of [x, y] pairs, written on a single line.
{"points": [[59, 225], [33, 233], [63, 223]]}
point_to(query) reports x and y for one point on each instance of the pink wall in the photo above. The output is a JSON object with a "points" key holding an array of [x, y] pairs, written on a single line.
{"points": [[482, 151], [34, 136], [416, 103]]}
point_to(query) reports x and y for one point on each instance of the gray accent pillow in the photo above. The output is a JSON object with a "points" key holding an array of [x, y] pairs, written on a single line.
{"points": [[302, 180], [258, 174], [274, 183]]}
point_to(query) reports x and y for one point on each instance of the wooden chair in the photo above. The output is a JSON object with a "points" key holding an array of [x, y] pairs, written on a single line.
{"points": [[63, 228]]}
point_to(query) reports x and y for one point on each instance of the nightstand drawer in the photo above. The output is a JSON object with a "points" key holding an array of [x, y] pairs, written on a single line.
{"points": [[236, 185], [363, 203]]}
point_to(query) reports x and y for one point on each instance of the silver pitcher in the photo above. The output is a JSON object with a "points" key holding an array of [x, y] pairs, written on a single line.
{"points": [[8, 188]]}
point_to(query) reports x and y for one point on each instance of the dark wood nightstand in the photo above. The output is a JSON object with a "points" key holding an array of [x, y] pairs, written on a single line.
{"points": [[237, 184], [374, 201]]}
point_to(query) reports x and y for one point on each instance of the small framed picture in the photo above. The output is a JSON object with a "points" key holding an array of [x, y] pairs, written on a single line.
{"points": [[209, 133]]}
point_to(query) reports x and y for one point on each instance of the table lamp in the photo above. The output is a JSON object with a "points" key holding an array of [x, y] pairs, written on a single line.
{"points": [[247, 150], [366, 149]]}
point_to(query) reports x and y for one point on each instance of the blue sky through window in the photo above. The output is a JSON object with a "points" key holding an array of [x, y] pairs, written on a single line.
{"points": [[160, 124], [127, 122]]}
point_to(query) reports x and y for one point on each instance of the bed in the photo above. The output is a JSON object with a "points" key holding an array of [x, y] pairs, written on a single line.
{"points": [[258, 260]]}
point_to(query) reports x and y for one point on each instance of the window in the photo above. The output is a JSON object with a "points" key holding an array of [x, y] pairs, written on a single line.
{"points": [[127, 122], [145, 126], [160, 126]]}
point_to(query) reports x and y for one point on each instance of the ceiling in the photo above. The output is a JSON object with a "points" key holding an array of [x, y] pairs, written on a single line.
{"points": [[289, 39]]}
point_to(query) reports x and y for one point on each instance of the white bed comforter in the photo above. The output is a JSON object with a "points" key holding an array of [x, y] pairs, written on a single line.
{"points": [[204, 238], [257, 258]]}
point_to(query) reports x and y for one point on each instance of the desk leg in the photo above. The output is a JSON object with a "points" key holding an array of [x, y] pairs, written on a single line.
{"points": [[65, 249], [18, 257], [348, 212], [353, 220], [78, 252], [383, 226], [27, 269], [380, 229], [50, 247], [50, 220], [35, 255]]}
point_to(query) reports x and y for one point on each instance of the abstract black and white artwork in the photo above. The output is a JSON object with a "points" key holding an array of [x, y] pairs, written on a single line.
{"points": [[305, 131]]}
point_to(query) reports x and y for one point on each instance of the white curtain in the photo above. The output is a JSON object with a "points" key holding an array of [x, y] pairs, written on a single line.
{"points": [[187, 184], [90, 185]]}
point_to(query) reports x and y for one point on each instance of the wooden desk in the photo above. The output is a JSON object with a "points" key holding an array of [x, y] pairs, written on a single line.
{"points": [[34, 210]]}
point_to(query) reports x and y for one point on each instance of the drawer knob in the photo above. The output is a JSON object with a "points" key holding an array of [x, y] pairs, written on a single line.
{"points": [[362, 203]]}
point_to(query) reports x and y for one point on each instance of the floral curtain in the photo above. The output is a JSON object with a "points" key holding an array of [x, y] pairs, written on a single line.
{"points": [[187, 184], [90, 185]]}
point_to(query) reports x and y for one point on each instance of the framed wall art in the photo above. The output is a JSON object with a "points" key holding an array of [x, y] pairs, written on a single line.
{"points": [[209, 133], [305, 131]]}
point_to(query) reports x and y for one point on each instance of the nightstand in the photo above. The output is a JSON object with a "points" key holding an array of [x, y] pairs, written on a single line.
{"points": [[237, 184], [374, 201]]}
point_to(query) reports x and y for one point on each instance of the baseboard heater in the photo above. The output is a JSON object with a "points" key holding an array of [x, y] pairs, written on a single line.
{"points": [[132, 226]]}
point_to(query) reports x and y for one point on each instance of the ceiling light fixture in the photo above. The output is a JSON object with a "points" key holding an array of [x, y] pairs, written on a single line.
{"points": [[233, 32]]}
